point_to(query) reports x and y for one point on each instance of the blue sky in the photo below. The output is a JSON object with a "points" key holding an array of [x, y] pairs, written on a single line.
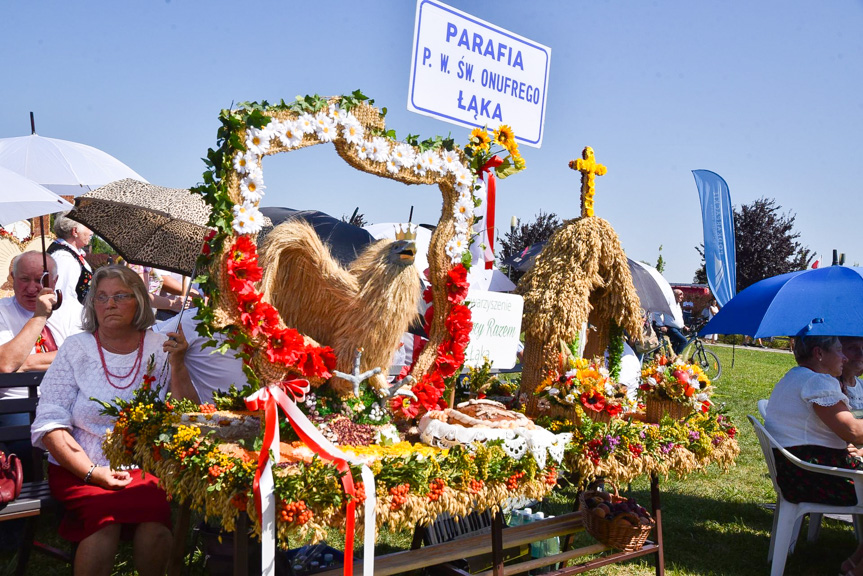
{"points": [[768, 94]]}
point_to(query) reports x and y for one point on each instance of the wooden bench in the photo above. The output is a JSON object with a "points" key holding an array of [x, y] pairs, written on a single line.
{"points": [[564, 526], [35, 497]]}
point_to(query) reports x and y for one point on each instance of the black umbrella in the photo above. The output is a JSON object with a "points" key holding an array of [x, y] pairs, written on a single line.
{"points": [[344, 240], [523, 261]]}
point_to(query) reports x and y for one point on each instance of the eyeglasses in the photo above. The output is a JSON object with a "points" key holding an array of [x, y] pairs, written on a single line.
{"points": [[118, 299]]}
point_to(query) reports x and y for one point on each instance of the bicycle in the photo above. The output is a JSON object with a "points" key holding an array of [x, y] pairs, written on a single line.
{"points": [[693, 352]]}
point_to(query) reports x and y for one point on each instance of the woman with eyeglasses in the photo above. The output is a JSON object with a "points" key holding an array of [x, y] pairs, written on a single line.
{"points": [[808, 414], [109, 359]]}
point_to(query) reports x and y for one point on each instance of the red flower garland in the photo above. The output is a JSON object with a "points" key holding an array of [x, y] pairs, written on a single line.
{"points": [[450, 353], [283, 345]]}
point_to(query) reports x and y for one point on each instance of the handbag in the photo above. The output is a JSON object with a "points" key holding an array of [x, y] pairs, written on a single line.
{"points": [[11, 476], [648, 342]]}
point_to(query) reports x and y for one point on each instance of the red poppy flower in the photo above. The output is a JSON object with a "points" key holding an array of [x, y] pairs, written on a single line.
{"points": [[285, 346], [613, 409], [427, 395], [456, 284], [593, 400], [427, 294], [705, 407], [458, 322], [404, 407], [317, 361]]}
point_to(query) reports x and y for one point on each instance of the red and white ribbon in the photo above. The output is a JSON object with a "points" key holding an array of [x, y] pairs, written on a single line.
{"points": [[488, 168], [269, 400]]}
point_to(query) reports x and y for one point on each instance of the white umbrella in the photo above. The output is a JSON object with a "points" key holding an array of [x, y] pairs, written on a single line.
{"points": [[653, 289], [21, 198], [65, 168]]}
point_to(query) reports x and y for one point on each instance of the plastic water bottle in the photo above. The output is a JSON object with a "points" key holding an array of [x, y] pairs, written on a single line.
{"points": [[552, 548], [516, 518], [537, 549]]}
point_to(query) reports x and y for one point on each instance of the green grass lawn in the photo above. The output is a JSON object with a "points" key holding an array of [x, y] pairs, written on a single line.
{"points": [[713, 523]]}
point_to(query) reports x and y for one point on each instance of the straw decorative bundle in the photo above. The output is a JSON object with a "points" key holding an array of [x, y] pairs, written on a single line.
{"points": [[582, 274]]}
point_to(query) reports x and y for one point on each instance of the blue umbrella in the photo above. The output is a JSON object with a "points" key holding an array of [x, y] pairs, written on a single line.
{"points": [[818, 302]]}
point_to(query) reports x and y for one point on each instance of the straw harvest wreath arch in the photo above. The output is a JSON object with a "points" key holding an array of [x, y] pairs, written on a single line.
{"points": [[233, 187]]}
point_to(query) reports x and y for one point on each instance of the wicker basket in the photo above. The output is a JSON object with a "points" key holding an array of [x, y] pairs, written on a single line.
{"points": [[624, 531], [656, 408]]}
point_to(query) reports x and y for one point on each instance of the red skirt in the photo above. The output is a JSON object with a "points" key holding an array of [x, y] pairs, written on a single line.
{"points": [[90, 508]]}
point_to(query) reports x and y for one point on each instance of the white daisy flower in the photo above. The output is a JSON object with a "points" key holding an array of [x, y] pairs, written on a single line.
{"points": [[463, 178], [292, 135], [463, 209], [392, 167], [431, 160], [306, 123], [247, 218], [461, 227], [276, 129], [419, 166], [450, 160], [244, 162], [325, 128], [257, 140], [455, 248], [569, 398], [404, 155], [353, 132], [570, 373], [363, 150], [336, 113], [702, 397], [252, 187], [380, 149]]}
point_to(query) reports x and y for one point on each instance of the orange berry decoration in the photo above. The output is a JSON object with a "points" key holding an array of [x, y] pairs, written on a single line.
{"points": [[476, 486], [295, 512], [512, 481], [436, 487], [207, 408], [399, 495], [551, 476]]}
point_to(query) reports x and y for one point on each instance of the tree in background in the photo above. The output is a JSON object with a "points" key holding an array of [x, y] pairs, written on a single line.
{"points": [[766, 244], [527, 234], [357, 218], [660, 261]]}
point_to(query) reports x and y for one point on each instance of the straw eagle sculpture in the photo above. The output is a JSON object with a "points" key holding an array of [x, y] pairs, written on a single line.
{"points": [[580, 276], [367, 305]]}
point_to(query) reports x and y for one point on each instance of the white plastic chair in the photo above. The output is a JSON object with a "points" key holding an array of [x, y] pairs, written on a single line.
{"points": [[788, 515], [762, 409]]}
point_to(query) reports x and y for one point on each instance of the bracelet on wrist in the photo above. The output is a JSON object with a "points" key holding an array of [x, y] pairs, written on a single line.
{"points": [[89, 473]]}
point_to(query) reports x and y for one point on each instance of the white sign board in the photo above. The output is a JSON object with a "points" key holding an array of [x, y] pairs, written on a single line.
{"points": [[496, 327], [469, 72]]}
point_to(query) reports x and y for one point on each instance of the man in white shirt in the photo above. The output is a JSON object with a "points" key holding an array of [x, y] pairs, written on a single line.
{"points": [[208, 369], [73, 270], [30, 331], [672, 325]]}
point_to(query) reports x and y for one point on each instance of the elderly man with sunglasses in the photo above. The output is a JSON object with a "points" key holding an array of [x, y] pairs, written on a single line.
{"points": [[30, 330]]}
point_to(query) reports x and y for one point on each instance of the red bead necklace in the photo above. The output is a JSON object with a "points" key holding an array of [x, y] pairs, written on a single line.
{"points": [[136, 367]]}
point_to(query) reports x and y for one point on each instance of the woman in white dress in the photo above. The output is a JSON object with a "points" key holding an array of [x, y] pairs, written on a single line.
{"points": [[105, 361]]}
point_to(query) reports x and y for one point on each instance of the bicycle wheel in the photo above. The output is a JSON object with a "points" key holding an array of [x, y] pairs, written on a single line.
{"points": [[709, 363]]}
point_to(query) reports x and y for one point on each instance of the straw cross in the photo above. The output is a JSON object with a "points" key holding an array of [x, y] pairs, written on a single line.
{"points": [[589, 168]]}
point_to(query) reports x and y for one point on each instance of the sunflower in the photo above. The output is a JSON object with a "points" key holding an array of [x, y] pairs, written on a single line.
{"points": [[505, 136], [479, 139]]}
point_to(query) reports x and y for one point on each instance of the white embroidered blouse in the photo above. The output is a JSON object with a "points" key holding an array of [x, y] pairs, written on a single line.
{"points": [[791, 419], [76, 375]]}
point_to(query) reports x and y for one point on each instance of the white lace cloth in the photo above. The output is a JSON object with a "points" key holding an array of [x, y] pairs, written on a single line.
{"points": [[790, 418], [75, 376], [516, 441]]}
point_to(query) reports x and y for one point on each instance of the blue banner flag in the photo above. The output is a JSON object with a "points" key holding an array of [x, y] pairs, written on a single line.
{"points": [[718, 218]]}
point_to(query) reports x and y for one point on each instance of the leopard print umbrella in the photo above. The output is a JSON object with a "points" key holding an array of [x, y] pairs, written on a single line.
{"points": [[146, 224]]}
